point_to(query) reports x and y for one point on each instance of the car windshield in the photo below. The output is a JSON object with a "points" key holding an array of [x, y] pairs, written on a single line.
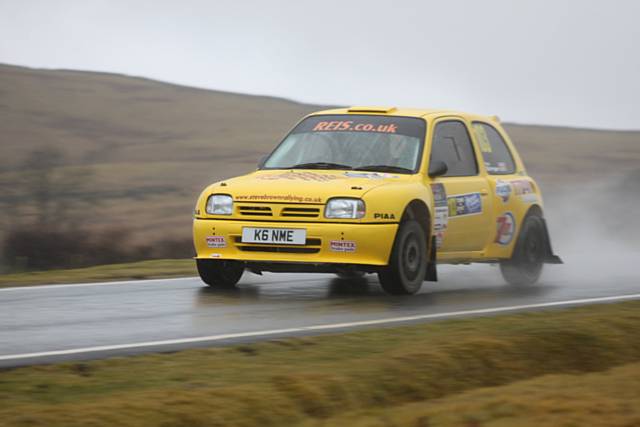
{"points": [[352, 142]]}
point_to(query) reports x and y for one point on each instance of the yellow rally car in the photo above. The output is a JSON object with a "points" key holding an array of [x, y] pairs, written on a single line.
{"points": [[384, 190]]}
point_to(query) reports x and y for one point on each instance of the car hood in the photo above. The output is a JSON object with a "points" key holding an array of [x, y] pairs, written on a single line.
{"points": [[303, 186]]}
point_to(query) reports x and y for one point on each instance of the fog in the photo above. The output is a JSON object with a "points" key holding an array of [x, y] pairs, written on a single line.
{"points": [[564, 62], [596, 230]]}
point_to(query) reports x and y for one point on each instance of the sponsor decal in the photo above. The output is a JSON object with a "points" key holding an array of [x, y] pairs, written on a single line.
{"points": [[300, 176], [483, 139], [499, 167], [439, 195], [370, 175], [342, 245], [277, 197], [521, 187], [384, 216], [505, 229], [216, 242], [352, 123], [503, 190], [353, 126], [441, 214], [439, 239], [524, 189], [465, 204]]}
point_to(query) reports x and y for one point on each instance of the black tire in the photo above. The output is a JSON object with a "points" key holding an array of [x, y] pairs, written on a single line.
{"points": [[219, 273], [408, 262], [525, 266]]}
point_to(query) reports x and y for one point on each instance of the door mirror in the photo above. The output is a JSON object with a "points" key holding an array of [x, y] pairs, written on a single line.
{"points": [[437, 168], [261, 161]]}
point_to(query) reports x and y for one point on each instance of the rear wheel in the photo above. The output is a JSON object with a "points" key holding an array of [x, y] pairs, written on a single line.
{"points": [[408, 262], [219, 273], [525, 266]]}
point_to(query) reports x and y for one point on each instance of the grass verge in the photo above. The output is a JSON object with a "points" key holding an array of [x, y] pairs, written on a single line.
{"points": [[102, 273], [369, 376], [597, 399]]}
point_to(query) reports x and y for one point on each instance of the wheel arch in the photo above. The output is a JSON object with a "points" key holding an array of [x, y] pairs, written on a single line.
{"points": [[550, 257], [534, 209], [418, 210]]}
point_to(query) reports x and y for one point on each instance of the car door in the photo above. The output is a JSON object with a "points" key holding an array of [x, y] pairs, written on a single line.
{"points": [[468, 225], [513, 193]]}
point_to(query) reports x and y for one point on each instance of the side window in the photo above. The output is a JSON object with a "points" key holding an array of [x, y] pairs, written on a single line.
{"points": [[452, 145], [495, 153]]}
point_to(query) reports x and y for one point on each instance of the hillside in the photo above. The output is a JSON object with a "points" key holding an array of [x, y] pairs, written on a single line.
{"points": [[150, 147]]}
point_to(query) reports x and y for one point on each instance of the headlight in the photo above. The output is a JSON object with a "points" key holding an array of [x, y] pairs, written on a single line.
{"points": [[219, 204], [345, 208]]}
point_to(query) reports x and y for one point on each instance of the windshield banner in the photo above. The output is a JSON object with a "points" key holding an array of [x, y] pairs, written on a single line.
{"points": [[409, 126]]}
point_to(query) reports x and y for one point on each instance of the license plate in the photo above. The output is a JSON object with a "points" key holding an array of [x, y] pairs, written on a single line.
{"points": [[280, 236]]}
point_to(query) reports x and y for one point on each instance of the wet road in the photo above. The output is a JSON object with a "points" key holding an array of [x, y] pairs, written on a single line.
{"points": [[53, 323]]}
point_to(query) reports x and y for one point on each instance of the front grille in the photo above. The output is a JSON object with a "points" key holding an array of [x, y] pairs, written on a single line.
{"points": [[282, 249], [311, 246], [255, 210], [308, 242], [300, 212]]}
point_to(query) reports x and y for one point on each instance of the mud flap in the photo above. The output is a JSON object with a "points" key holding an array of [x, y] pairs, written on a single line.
{"points": [[549, 257], [432, 274]]}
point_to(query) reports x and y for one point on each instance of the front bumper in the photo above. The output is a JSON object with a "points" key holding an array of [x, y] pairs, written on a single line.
{"points": [[327, 243]]}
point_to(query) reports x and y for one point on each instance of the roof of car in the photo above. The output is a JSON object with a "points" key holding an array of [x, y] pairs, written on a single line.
{"points": [[405, 112]]}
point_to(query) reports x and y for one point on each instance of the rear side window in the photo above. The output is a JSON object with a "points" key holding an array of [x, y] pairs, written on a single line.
{"points": [[495, 153], [452, 145]]}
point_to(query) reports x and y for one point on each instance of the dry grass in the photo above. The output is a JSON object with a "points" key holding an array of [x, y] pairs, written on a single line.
{"points": [[368, 377], [602, 399], [135, 270]]}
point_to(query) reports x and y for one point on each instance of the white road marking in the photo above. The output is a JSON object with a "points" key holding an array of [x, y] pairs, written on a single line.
{"points": [[82, 285], [325, 327], [122, 282]]}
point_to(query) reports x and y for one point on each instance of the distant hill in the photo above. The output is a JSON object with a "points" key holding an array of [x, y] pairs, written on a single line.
{"points": [[151, 146]]}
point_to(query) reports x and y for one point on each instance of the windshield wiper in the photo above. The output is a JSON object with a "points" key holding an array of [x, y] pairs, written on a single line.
{"points": [[383, 168], [320, 165]]}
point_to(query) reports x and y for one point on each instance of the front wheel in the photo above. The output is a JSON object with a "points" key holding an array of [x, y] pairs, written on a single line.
{"points": [[219, 273], [525, 266], [408, 263]]}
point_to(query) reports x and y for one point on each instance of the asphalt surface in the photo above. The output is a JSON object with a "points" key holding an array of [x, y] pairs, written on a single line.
{"points": [[73, 322]]}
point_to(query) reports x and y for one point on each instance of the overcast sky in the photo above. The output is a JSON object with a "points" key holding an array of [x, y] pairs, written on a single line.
{"points": [[559, 62]]}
